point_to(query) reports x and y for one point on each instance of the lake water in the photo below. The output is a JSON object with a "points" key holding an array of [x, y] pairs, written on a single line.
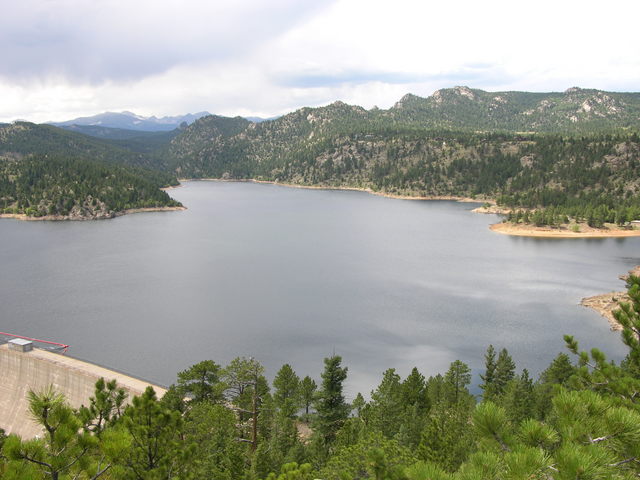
{"points": [[293, 275]]}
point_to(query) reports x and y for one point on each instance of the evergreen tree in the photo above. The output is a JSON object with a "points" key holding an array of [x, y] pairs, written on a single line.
{"points": [[246, 390], [286, 393], [447, 439], [202, 382], [358, 404], [488, 378], [628, 315], [105, 407], [212, 429], [456, 380], [414, 391], [386, 406], [66, 449], [308, 389], [505, 371], [330, 404], [157, 447]]}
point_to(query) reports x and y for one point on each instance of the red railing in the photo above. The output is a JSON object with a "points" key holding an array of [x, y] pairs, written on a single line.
{"points": [[61, 345]]}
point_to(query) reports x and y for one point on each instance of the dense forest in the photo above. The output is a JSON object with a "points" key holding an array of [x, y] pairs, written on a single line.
{"points": [[49, 172], [592, 176], [548, 158], [579, 420], [75, 188]]}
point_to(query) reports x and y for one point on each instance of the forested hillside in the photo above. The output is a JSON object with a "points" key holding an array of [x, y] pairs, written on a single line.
{"points": [[47, 171], [579, 420], [22, 138], [76, 188], [575, 111], [396, 153], [572, 154]]}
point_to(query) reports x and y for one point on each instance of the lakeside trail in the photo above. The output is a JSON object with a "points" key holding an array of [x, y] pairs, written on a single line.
{"points": [[68, 218], [606, 303]]}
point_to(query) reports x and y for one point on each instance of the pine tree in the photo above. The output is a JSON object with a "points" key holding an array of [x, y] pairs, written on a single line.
{"points": [[358, 404], [628, 315], [157, 449], [505, 371], [202, 382], [490, 372], [66, 449], [308, 389], [105, 407], [414, 391], [456, 380], [330, 404], [286, 393], [386, 404]]}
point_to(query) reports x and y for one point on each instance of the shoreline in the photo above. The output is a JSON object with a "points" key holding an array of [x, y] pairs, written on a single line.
{"points": [[606, 303], [62, 218], [502, 228], [352, 189], [548, 232]]}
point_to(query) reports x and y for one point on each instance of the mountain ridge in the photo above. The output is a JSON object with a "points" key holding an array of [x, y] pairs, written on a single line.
{"points": [[131, 121]]}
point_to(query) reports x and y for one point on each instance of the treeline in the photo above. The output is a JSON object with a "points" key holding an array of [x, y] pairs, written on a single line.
{"points": [[594, 217], [24, 139], [77, 187], [579, 419]]}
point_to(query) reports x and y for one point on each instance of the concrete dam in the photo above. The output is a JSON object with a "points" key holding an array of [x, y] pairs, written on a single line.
{"points": [[21, 371]]}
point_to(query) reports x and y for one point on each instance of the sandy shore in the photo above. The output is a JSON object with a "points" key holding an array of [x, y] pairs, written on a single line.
{"points": [[57, 218], [561, 232], [606, 303], [353, 189]]}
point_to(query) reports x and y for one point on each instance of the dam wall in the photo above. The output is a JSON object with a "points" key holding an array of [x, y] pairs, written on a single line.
{"points": [[36, 370]]}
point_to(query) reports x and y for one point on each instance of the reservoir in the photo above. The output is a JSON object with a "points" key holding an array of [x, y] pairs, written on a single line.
{"points": [[292, 275]]}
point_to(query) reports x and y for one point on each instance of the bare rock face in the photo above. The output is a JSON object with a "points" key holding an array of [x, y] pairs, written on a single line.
{"points": [[465, 92]]}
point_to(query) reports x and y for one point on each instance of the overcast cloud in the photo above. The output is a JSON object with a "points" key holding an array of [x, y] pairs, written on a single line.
{"points": [[65, 58]]}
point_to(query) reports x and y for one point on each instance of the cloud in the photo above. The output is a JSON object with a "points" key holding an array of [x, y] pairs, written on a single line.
{"points": [[95, 41], [475, 74], [66, 58]]}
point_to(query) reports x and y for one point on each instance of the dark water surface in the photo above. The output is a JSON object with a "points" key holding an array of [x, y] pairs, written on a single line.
{"points": [[292, 275]]}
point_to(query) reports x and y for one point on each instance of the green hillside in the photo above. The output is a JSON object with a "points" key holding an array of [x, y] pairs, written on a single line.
{"points": [[394, 152], [48, 171]]}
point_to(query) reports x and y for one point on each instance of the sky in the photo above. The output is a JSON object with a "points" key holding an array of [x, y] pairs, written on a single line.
{"points": [[61, 59]]}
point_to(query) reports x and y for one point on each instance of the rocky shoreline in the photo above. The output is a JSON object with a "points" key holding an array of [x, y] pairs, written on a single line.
{"points": [[80, 218], [606, 303]]}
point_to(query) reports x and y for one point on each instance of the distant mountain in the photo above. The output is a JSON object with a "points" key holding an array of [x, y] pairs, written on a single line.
{"points": [[110, 133], [261, 119], [131, 121]]}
